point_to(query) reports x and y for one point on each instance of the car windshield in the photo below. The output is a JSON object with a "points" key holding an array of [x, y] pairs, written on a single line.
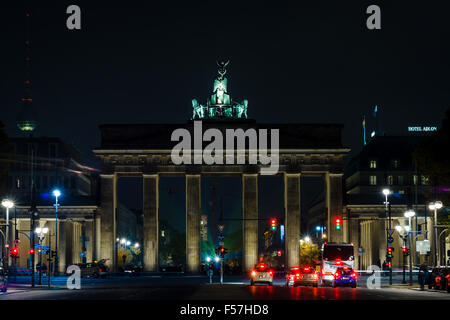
{"points": [[338, 252]]}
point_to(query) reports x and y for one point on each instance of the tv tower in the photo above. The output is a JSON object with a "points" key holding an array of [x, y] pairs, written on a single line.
{"points": [[27, 122], [27, 118]]}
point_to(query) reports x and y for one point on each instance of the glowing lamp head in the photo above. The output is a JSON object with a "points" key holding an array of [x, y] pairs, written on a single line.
{"points": [[7, 203], [208, 259], [318, 228], [386, 192], [399, 228], [307, 239], [409, 214], [56, 193], [217, 259]]}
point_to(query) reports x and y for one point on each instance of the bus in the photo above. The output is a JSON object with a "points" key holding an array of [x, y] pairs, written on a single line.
{"points": [[334, 255]]}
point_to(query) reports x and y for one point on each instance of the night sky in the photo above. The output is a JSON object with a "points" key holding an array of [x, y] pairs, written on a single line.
{"points": [[143, 61]]}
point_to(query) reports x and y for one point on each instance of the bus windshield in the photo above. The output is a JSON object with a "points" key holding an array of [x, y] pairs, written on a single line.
{"points": [[338, 252]]}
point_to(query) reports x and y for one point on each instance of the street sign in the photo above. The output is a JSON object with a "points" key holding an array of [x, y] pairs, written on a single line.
{"points": [[423, 247], [390, 239]]}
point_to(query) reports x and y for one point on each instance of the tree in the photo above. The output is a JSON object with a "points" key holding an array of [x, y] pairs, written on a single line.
{"points": [[308, 253]]}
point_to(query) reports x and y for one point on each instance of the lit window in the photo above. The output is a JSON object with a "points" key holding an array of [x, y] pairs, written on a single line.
{"points": [[424, 180], [401, 191], [401, 180], [390, 180], [373, 164], [162, 233], [415, 179], [373, 180], [18, 183]]}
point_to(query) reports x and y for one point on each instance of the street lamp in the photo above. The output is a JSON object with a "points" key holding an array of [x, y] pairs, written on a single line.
{"points": [[307, 239], [386, 193], [136, 245], [8, 204], [409, 214], [41, 232], [56, 193], [403, 233], [217, 259], [435, 206], [208, 259]]}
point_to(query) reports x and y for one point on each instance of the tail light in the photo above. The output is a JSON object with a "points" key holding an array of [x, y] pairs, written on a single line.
{"points": [[336, 275], [297, 275], [323, 272], [354, 275], [315, 276], [271, 273], [253, 273], [338, 262], [306, 268], [292, 277]]}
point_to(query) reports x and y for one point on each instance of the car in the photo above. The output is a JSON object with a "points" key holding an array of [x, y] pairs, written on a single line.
{"points": [[440, 279], [94, 269], [132, 269], [261, 274], [344, 276], [3, 280], [303, 276]]}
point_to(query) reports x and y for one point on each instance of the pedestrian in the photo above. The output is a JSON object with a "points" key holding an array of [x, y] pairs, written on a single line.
{"points": [[423, 270]]}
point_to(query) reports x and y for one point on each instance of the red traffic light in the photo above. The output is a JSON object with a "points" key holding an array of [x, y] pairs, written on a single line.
{"points": [[31, 251], [337, 220], [404, 249], [279, 253], [14, 251], [222, 250], [273, 221]]}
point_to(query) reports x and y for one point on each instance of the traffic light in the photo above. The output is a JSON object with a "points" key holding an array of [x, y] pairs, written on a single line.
{"points": [[279, 253], [405, 251], [273, 223], [223, 252], [14, 252], [31, 251], [338, 222], [389, 253]]}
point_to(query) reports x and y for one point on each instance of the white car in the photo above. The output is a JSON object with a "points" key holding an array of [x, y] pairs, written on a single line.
{"points": [[261, 274]]}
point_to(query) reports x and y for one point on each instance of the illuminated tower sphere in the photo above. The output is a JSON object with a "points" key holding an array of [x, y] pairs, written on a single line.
{"points": [[27, 118]]}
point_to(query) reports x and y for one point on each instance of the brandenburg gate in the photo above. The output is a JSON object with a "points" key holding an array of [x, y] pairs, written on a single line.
{"points": [[144, 150]]}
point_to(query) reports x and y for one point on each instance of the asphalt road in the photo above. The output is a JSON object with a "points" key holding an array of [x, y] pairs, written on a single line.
{"points": [[198, 288]]}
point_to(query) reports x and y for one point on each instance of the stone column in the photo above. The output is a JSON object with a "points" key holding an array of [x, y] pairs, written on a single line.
{"points": [[249, 227], [108, 226], [90, 242], [193, 213], [333, 191], [97, 237], [151, 223], [292, 218], [62, 244]]}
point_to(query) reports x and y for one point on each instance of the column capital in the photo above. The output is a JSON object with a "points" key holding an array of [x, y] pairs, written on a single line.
{"points": [[150, 175], [334, 174], [108, 175]]}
